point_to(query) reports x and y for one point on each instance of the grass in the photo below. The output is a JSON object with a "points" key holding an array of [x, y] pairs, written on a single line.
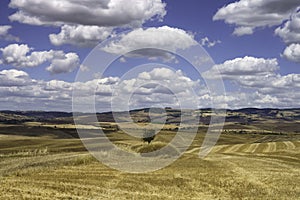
{"points": [[241, 166], [217, 177]]}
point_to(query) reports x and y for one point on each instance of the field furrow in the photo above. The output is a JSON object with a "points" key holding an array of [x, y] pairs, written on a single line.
{"points": [[233, 148], [239, 166], [219, 148], [290, 145], [252, 148]]}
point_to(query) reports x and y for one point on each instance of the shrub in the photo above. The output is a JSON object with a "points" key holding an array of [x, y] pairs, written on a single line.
{"points": [[149, 135]]}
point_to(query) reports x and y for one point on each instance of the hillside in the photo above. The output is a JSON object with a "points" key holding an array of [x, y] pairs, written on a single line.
{"points": [[269, 113]]}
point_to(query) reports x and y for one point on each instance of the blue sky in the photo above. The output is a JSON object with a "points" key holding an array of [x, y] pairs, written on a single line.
{"points": [[255, 46]]}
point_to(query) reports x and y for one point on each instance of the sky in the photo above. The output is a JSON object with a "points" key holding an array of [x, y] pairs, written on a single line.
{"points": [[126, 54]]}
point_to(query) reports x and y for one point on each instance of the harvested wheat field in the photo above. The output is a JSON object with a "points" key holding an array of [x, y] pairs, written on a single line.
{"points": [[45, 168]]}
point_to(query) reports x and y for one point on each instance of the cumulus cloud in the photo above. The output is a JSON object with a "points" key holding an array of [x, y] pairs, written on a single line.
{"points": [[239, 31], [19, 91], [24, 56], [68, 63], [290, 31], [88, 22], [256, 73], [208, 43], [247, 71], [267, 88], [17, 55], [80, 35], [147, 42], [289, 81], [4, 35], [159, 37], [149, 88], [159, 87], [87, 12], [292, 53], [84, 68], [122, 60], [247, 15], [14, 78]]}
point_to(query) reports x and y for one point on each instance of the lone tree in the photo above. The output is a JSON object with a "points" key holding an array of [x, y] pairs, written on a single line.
{"points": [[149, 135]]}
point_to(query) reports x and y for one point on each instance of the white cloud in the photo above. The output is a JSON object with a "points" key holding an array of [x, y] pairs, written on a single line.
{"points": [[243, 30], [147, 42], [87, 12], [19, 91], [150, 88], [250, 14], [292, 53], [68, 63], [122, 60], [258, 82], [257, 99], [201, 60], [256, 73], [14, 78], [208, 43], [56, 85], [5, 35], [266, 100], [84, 68], [289, 81], [247, 71], [17, 86], [88, 22], [80, 35], [290, 31], [17, 55], [247, 15], [160, 37], [4, 30], [24, 56], [159, 87]]}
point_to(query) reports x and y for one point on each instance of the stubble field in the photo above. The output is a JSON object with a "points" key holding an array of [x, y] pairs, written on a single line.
{"points": [[240, 166]]}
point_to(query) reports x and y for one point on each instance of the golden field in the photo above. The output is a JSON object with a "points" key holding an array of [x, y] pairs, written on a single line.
{"points": [[240, 166]]}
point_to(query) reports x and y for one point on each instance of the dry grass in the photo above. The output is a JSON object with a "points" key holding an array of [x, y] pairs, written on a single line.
{"points": [[238, 168]]}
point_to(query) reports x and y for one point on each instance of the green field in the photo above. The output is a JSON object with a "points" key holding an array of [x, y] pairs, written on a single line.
{"points": [[38, 164]]}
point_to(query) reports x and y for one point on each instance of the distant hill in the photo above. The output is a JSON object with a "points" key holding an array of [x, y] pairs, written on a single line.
{"points": [[173, 116], [12, 117]]}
